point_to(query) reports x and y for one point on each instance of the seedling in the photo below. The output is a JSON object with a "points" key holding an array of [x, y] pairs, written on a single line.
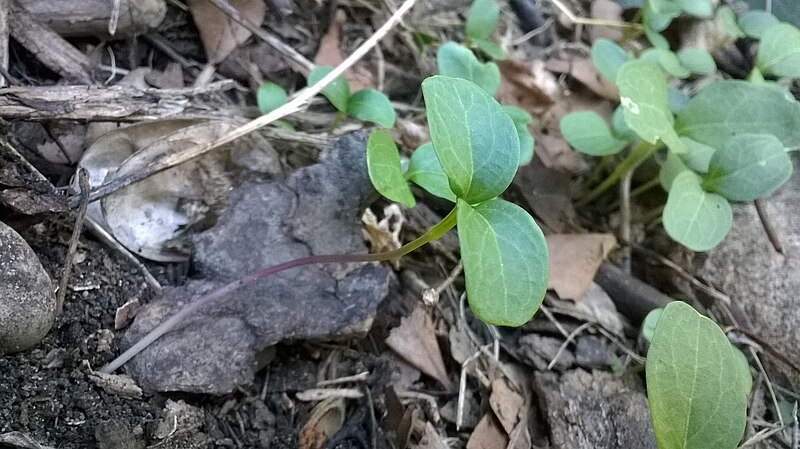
{"points": [[475, 154], [481, 22]]}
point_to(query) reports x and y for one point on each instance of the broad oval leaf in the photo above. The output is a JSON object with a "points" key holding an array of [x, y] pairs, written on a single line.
{"points": [[457, 61], [505, 261], [694, 385], [371, 106], [474, 138], [656, 39], [521, 121], [482, 19], [695, 218], [697, 60], [730, 107], [727, 21], [697, 8], [779, 51], [643, 95], [269, 97], [659, 20], [672, 167], [698, 155], [337, 92], [608, 57], [619, 127], [491, 48], [588, 133], [667, 60], [676, 99], [383, 165], [425, 171], [747, 167], [754, 23]]}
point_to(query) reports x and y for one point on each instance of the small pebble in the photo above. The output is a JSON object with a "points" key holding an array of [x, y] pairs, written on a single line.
{"points": [[27, 299]]}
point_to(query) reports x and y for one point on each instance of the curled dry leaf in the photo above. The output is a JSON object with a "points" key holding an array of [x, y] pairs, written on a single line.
{"points": [[218, 32], [529, 87], [325, 420], [415, 341], [506, 403], [330, 53], [574, 260], [488, 434], [126, 313], [383, 235]]}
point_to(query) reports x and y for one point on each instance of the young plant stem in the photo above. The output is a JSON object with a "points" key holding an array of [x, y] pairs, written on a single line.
{"points": [[639, 153], [435, 232]]}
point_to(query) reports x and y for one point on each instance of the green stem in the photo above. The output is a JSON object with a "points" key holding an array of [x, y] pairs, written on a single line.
{"points": [[639, 153], [435, 232]]}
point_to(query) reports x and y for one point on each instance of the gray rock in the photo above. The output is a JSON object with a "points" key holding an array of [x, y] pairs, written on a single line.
{"points": [[592, 352], [539, 351], [27, 299], [315, 211], [764, 283], [588, 410]]}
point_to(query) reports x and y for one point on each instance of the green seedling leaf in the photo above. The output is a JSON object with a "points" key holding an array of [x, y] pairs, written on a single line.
{"points": [[643, 95], [337, 92], [425, 171], [727, 20], [588, 133], [619, 127], [697, 60], [491, 48], [754, 23], [383, 165], [608, 57], [422, 40], [457, 61], [269, 97], [730, 107], [670, 169], [698, 155], [482, 19], [693, 383], [779, 51], [521, 121], [474, 138], [371, 106], [697, 8], [747, 167], [658, 19], [505, 261], [655, 38], [744, 370], [649, 324], [677, 99], [693, 217], [667, 60]]}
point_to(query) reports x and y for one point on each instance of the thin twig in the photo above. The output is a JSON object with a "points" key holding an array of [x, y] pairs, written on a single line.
{"points": [[83, 182], [768, 228], [598, 22], [566, 343], [296, 104]]}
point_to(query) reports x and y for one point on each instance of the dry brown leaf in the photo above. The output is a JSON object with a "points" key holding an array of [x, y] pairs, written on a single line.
{"points": [[329, 53], [383, 235], [431, 439], [506, 403], [415, 341], [325, 420], [488, 434], [582, 69], [126, 313], [218, 32], [529, 87], [574, 260], [547, 192], [605, 10]]}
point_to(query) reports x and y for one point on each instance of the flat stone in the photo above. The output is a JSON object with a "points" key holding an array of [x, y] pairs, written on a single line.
{"points": [[315, 211], [588, 410], [27, 299]]}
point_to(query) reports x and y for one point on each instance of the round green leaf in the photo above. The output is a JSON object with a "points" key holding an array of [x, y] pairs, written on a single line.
{"points": [[698, 155], [667, 60], [521, 121], [588, 133], [482, 18], [505, 261], [693, 217], [491, 48], [727, 21], [383, 165], [619, 127], [474, 138], [457, 61], [697, 8], [779, 51], [754, 23], [425, 171], [371, 106], [659, 20], [730, 107], [670, 169], [643, 95], [697, 61], [655, 38], [747, 167], [337, 92], [649, 324], [269, 97], [744, 370], [608, 57], [694, 385], [676, 99]]}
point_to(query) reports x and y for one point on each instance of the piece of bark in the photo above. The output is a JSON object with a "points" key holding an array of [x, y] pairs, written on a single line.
{"points": [[591, 410], [49, 48], [315, 211], [113, 103], [762, 281], [91, 18]]}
